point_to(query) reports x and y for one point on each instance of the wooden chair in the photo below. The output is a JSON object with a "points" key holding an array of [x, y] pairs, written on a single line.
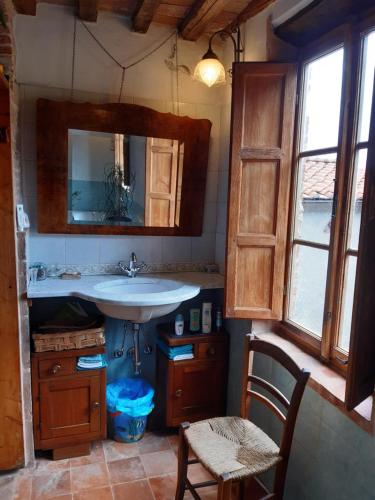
{"points": [[233, 449]]}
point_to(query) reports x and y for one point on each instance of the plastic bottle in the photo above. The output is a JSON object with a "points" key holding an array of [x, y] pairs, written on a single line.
{"points": [[218, 319], [206, 317], [179, 325], [194, 320]]}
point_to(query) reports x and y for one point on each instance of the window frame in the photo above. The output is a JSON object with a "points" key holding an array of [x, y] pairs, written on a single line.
{"points": [[349, 36]]}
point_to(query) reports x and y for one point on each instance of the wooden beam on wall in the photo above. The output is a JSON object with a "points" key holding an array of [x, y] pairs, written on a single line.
{"points": [[253, 8], [88, 10], [144, 14], [27, 7], [202, 13]]}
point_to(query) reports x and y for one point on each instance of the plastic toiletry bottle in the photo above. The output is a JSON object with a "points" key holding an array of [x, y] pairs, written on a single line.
{"points": [[194, 320], [206, 317], [218, 319], [179, 324]]}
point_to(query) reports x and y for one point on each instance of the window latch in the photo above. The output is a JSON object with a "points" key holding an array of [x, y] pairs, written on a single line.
{"points": [[328, 316]]}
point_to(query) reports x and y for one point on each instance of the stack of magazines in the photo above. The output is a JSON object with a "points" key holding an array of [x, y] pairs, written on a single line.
{"points": [[91, 362], [177, 353]]}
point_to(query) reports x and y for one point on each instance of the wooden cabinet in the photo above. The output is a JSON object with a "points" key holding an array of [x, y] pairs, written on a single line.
{"points": [[68, 405], [194, 389]]}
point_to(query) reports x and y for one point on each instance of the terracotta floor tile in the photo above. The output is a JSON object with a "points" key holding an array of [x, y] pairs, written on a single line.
{"points": [[22, 487], [163, 487], [62, 497], [135, 490], [96, 455], [89, 476], [159, 463], [153, 442], [173, 442], [197, 474], [7, 487], [114, 450], [94, 494], [43, 465], [126, 470], [50, 484]]}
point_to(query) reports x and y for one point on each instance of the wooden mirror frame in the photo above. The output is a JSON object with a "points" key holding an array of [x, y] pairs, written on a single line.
{"points": [[54, 119]]}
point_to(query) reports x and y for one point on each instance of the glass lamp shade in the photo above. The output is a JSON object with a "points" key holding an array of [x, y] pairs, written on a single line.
{"points": [[210, 71]]}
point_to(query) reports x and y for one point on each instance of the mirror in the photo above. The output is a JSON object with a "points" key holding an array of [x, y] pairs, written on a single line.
{"points": [[120, 169], [124, 180]]}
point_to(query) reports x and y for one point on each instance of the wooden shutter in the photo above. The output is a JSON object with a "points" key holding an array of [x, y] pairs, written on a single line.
{"points": [[161, 177], [361, 369], [263, 108]]}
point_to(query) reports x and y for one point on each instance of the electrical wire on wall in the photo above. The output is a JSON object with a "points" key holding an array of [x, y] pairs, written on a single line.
{"points": [[123, 67]]}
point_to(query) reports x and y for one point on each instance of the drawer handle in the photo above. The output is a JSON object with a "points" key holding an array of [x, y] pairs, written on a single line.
{"points": [[211, 351], [95, 405], [178, 393], [56, 368]]}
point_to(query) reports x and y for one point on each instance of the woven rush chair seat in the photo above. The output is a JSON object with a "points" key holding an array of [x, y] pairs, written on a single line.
{"points": [[232, 446], [233, 449]]}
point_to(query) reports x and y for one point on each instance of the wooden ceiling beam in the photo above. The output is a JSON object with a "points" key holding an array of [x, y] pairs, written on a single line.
{"points": [[253, 8], [144, 14], [88, 10], [202, 13], [27, 7]]}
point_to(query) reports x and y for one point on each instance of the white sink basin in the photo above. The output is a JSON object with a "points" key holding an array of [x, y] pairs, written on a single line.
{"points": [[139, 299]]}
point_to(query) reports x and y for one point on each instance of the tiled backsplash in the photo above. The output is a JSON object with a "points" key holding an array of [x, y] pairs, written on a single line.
{"points": [[89, 269]]}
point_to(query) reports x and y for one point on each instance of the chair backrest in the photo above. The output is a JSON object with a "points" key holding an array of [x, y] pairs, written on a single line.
{"points": [[288, 418]]}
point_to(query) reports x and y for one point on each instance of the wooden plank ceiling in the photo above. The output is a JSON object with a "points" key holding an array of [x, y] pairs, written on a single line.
{"points": [[193, 18]]}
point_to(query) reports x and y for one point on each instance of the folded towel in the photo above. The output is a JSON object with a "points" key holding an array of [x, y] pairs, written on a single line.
{"points": [[91, 362], [181, 357], [174, 352]]}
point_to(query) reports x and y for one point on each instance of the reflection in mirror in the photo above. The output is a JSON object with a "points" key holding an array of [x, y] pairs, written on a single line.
{"points": [[124, 180]]}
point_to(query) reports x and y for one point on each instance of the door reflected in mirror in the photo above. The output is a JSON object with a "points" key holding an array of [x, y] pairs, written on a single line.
{"points": [[124, 180]]}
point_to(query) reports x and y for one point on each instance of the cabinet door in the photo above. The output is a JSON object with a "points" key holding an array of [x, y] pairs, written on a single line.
{"points": [[198, 390], [70, 406]]}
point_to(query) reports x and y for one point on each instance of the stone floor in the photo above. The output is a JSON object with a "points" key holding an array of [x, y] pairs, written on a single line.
{"points": [[141, 471]]}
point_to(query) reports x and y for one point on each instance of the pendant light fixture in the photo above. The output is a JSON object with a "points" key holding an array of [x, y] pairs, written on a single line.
{"points": [[210, 70]]}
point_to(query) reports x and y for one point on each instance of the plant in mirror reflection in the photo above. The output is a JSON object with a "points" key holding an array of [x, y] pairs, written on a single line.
{"points": [[119, 193]]}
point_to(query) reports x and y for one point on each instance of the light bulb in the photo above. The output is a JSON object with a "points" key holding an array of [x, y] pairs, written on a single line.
{"points": [[210, 71]]}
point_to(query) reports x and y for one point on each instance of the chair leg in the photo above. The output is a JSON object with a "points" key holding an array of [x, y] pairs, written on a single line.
{"points": [[242, 489], [224, 488], [183, 456]]}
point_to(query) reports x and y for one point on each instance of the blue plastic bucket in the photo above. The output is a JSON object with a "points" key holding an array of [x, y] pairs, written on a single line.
{"points": [[127, 429], [129, 401]]}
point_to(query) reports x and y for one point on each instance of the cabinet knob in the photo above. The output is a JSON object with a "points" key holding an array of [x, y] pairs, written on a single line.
{"points": [[95, 405], [211, 351], [56, 368], [178, 393]]}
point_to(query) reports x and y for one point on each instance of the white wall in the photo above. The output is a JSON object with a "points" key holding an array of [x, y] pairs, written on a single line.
{"points": [[44, 62]]}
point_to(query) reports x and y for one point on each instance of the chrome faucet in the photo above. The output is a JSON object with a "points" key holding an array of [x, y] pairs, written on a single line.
{"points": [[133, 268]]}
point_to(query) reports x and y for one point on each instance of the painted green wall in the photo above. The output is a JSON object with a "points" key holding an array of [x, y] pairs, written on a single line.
{"points": [[332, 457]]}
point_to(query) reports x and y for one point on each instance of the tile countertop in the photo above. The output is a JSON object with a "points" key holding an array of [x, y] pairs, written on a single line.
{"points": [[56, 287]]}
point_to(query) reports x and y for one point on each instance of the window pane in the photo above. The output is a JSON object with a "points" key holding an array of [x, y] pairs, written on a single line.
{"points": [[307, 288], [357, 197], [314, 200], [347, 303], [367, 86], [322, 100]]}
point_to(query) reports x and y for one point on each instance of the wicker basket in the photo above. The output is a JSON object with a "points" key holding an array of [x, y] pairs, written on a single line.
{"points": [[61, 341]]}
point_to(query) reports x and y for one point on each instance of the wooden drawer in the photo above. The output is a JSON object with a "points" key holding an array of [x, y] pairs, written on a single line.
{"points": [[57, 367], [211, 350]]}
